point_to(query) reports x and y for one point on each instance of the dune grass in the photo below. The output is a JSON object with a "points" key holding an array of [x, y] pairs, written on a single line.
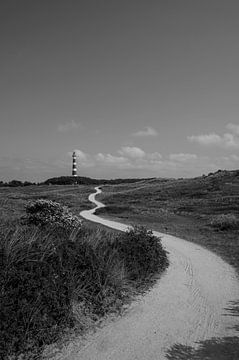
{"points": [[204, 210], [55, 278]]}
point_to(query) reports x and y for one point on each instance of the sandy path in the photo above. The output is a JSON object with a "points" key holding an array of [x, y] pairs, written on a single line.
{"points": [[187, 305]]}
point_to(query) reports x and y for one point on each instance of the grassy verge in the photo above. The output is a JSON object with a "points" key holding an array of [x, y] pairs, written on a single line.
{"points": [[53, 278]]}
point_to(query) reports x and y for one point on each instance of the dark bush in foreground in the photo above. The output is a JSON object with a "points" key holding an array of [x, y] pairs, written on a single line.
{"points": [[142, 252], [48, 275]]}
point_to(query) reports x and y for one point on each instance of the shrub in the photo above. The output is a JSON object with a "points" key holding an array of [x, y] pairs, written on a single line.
{"points": [[224, 222], [49, 275], [142, 252], [46, 212]]}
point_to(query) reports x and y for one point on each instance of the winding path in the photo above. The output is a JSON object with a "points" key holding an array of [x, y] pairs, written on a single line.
{"points": [[187, 305]]}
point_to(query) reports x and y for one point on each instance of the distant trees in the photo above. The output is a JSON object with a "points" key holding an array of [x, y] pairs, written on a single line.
{"points": [[15, 183], [70, 180], [80, 180]]}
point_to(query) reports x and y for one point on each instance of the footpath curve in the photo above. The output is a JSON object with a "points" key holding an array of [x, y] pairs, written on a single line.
{"points": [[188, 304]]}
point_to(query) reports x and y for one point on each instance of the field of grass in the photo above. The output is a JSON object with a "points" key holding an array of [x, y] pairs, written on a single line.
{"points": [[54, 279], [14, 199], [193, 209], [44, 291]]}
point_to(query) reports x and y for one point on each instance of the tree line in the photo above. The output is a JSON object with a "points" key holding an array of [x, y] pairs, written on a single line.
{"points": [[71, 180]]}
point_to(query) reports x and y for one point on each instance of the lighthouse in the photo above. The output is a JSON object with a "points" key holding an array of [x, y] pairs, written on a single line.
{"points": [[74, 169]]}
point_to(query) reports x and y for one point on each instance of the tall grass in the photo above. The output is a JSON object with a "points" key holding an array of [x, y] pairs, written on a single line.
{"points": [[48, 274]]}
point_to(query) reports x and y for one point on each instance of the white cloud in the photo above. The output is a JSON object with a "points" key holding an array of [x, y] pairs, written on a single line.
{"points": [[85, 160], [68, 126], [207, 139], [116, 165], [134, 158], [231, 141], [111, 159], [148, 131], [227, 140], [233, 127], [131, 161], [81, 155], [131, 158], [132, 152], [182, 157], [154, 156]]}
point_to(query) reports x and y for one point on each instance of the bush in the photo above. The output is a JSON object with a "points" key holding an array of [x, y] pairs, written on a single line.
{"points": [[49, 275], [224, 222], [142, 252], [46, 212]]}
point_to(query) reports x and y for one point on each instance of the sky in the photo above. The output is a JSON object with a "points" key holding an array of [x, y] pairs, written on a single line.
{"points": [[138, 88]]}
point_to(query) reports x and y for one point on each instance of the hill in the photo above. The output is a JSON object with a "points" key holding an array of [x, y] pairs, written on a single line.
{"points": [[204, 209], [80, 180]]}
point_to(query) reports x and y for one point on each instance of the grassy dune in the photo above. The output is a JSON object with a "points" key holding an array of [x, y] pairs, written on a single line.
{"points": [[204, 210], [194, 209], [54, 278]]}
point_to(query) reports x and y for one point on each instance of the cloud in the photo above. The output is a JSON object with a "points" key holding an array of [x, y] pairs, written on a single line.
{"points": [[85, 160], [68, 126], [106, 165], [226, 140], [230, 141], [135, 158], [207, 139], [148, 131], [154, 156], [182, 157], [233, 127], [135, 162], [109, 159], [81, 155], [132, 152], [128, 158]]}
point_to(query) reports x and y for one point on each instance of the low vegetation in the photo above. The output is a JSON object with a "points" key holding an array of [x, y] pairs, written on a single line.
{"points": [[13, 200], [54, 277], [57, 273], [46, 212], [203, 209], [69, 180], [225, 222], [81, 180]]}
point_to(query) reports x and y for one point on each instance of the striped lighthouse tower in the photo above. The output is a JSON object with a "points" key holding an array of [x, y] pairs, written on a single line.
{"points": [[74, 169]]}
